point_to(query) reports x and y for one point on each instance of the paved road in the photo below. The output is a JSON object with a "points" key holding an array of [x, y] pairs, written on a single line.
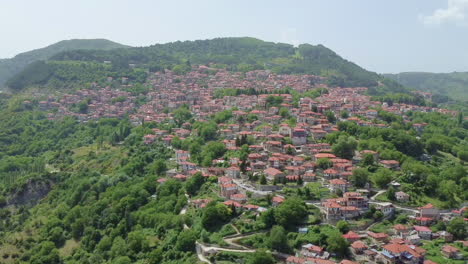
{"points": [[408, 209], [200, 253], [250, 188], [206, 248], [230, 239], [184, 210], [411, 210], [377, 194]]}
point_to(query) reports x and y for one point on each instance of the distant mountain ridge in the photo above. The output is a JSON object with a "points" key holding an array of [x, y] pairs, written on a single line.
{"points": [[237, 54], [453, 85], [12, 66]]}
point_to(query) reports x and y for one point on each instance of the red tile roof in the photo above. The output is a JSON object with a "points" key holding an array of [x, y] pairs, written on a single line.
{"points": [[351, 235]]}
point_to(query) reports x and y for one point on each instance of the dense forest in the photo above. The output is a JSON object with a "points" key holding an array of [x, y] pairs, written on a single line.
{"points": [[100, 189], [97, 180], [10, 67], [444, 86], [238, 54]]}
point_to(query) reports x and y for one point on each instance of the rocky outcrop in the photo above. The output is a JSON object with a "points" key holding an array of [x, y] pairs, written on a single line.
{"points": [[30, 193]]}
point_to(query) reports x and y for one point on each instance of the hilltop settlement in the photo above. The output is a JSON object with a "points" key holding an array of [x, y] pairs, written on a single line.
{"points": [[288, 168]]}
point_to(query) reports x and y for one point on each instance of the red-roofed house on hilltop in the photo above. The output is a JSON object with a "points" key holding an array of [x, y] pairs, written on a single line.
{"points": [[228, 189], [402, 196], [451, 252], [312, 251], [273, 174], [358, 247], [401, 253], [429, 211], [277, 200], [390, 164], [424, 232], [351, 236], [338, 184]]}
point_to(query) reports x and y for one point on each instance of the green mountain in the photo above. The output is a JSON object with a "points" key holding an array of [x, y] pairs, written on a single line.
{"points": [[98, 191], [452, 85], [240, 54], [10, 67]]}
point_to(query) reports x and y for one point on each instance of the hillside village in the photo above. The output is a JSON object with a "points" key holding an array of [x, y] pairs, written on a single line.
{"points": [[274, 148]]}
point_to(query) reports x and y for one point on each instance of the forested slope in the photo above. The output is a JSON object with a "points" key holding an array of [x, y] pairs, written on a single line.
{"points": [[239, 54], [10, 67], [452, 86]]}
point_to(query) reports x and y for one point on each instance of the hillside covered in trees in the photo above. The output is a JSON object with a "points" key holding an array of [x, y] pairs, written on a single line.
{"points": [[453, 86], [226, 151], [238, 54], [10, 67]]}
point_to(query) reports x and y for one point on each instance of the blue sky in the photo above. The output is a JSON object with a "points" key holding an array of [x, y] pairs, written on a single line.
{"points": [[380, 35]]}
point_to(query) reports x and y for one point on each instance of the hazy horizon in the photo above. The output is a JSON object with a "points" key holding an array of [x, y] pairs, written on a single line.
{"points": [[385, 37]]}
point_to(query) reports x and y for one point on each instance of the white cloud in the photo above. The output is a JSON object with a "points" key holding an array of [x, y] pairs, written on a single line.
{"points": [[456, 12]]}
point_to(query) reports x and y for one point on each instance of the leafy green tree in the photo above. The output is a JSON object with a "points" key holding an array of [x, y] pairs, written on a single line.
{"points": [[56, 236], [211, 151], [182, 115], [345, 147], [291, 212], [186, 241], [300, 182], [359, 177], [104, 245], [274, 100], [278, 239], [458, 228], [324, 163], [343, 226], [83, 107], [207, 130], [45, 253], [439, 226], [284, 112], [119, 247], [337, 244], [223, 116], [268, 218], [214, 214], [77, 228], [344, 114], [391, 193], [193, 184], [159, 167], [378, 215], [3, 201], [330, 116], [181, 69], [261, 257], [368, 160], [122, 260], [156, 256], [463, 155], [169, 188], [382, 177], [455, 173], [137, 242], [263, 180]]}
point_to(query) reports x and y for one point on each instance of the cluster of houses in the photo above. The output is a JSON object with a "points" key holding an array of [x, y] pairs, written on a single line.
{"points": [[350, 206], [99, 103], [283, 153], [199, 87], [279, 150], [401, 244]]}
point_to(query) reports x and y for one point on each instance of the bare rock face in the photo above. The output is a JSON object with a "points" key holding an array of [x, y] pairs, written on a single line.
{"points": [[30, 193]]}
